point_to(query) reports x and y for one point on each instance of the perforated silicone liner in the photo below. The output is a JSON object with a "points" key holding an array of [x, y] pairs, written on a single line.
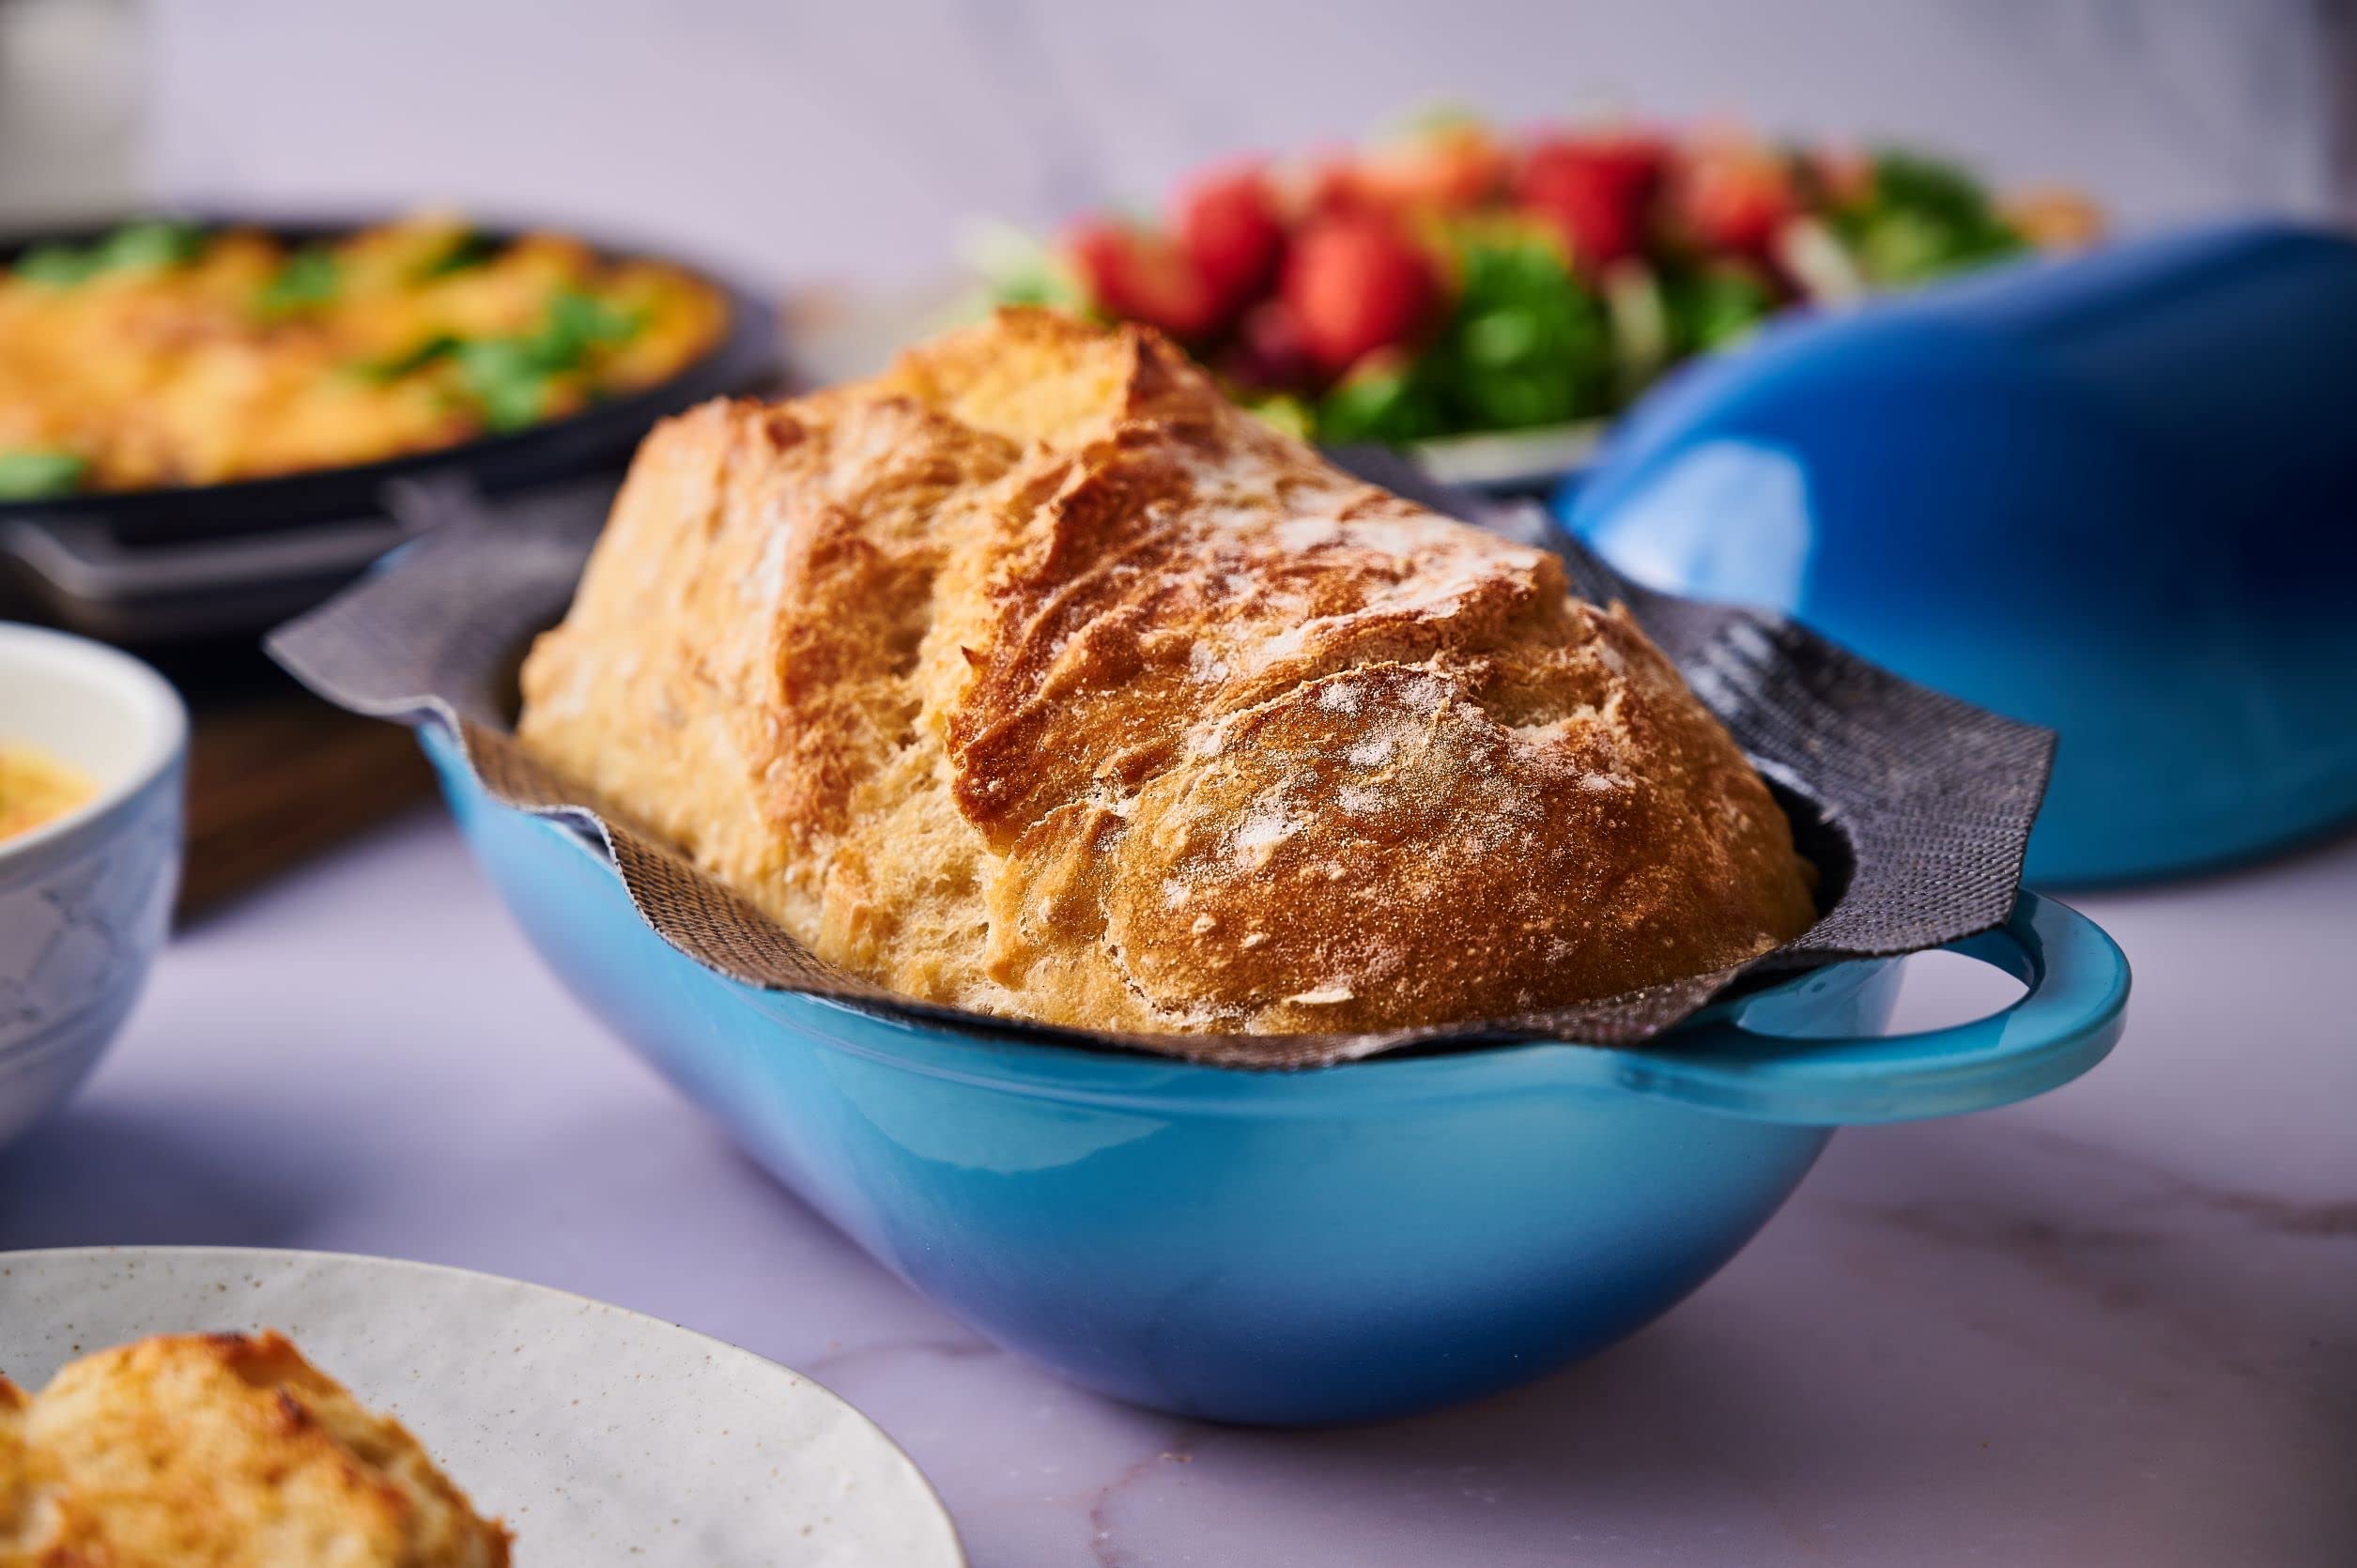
{"points": [[1918, 808]]}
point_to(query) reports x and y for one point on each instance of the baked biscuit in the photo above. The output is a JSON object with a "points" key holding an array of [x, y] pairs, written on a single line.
{"points": [[220, 1450]]}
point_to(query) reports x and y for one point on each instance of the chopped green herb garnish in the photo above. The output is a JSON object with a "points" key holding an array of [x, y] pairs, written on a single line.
{"points": [[409, 361], [57, 266], [34, 475], [151, 245], [309, 279], [512, 381], [513, 377], [470, 249], [509, 377], [579, 323], [145, 246]]}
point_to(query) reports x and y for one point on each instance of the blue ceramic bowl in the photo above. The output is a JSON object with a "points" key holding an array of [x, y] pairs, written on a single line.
{"points": [[1285, 1248], [2114, 495]]}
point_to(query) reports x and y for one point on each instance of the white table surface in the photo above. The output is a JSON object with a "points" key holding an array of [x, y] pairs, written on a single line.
{"points": [[2115, 1325]]}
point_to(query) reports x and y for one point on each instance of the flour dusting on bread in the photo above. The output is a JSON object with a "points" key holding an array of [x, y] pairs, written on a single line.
{"points": [[1035, 677]]}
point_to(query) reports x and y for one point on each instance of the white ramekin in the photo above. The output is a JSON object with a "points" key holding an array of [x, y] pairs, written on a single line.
{"points": [[85, 900]]}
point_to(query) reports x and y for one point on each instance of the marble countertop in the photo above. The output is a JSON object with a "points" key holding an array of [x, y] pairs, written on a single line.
{"points": [[2118, 1324]]}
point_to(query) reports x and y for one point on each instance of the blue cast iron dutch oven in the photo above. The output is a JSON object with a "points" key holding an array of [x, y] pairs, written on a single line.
{"points": [[1333, 1245], [2114, 495]]}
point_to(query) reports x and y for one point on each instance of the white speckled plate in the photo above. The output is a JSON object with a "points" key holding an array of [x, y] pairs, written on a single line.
{"points": [[599, 1434]]}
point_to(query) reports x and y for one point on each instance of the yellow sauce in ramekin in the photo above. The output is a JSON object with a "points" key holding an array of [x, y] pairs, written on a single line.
{"points": [[37, 789]]}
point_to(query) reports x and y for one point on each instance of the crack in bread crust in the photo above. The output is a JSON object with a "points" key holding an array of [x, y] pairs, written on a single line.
{"points": [[1037, 678]]}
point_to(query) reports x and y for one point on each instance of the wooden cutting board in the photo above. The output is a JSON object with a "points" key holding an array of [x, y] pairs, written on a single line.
{"points": [[276, 777]]}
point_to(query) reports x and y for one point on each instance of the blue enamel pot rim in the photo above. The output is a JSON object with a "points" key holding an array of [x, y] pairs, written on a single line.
{"points": [[1724, 1059]]}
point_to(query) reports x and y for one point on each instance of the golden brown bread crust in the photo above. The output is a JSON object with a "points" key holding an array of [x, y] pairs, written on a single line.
{"points": [[220, 1450], [1035, 677]]}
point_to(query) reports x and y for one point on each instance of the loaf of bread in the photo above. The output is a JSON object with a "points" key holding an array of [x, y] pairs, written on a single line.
{"points": [[1035, 677], [220, 1450]]}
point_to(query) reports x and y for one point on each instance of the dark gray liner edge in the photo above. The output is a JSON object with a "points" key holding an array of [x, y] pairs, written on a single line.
{"points": [[1930, 800]]}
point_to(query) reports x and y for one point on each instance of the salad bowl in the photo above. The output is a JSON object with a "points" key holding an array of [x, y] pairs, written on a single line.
{"points": [[1331, 1245]]}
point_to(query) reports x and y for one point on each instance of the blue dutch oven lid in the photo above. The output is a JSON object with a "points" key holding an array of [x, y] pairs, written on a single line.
{"points": [[2112, 495]]}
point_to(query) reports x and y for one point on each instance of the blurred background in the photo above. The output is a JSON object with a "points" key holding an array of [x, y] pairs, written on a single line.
{"points": [[1658, 182], [788, 141]]}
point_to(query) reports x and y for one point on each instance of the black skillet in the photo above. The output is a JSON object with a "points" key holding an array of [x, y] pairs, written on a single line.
{"points": [[145, 566]]}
